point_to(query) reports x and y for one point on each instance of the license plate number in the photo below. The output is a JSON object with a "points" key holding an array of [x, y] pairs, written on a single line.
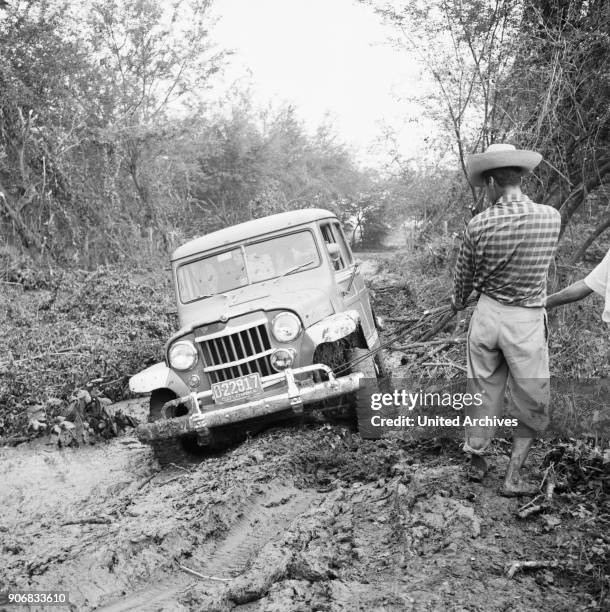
{"points": [[237, 388]]}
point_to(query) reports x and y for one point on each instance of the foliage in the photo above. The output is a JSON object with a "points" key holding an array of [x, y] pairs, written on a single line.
{"points": [[112, 149], [367, 216], [83, 118], [248, 164], [562, 69], [466, 48], [532, 73], [85, 331]]}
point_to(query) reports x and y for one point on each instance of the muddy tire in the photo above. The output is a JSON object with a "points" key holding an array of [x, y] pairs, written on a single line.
{"points": [[169, 451], [338, 410], [157, 400], [376, 380]]}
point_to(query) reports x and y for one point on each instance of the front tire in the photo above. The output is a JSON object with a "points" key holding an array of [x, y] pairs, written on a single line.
{"points": [[158, 398], [170, 450], [167, 450], [376, 380], [338, 409]]}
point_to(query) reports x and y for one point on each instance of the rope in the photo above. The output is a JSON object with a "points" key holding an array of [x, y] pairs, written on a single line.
{"points": [[442, 315]]}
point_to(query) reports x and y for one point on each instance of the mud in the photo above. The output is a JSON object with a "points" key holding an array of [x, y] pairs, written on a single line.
{"points": [[294, 519]]}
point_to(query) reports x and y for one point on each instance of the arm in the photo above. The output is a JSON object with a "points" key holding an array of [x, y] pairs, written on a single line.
{"points": [[573, 293], [463, 274]]}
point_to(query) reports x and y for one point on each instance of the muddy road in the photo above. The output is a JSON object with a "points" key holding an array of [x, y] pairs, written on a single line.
{"points": [[295, 519], [298, 518]]}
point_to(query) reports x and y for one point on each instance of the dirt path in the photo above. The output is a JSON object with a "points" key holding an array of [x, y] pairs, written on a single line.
{"points": [[295, 519]]}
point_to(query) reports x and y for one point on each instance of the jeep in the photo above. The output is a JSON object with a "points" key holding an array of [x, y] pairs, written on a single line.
{"points": [[275, 321]]}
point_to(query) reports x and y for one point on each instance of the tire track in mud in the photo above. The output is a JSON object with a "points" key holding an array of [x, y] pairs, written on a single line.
{"points": [[264, 518], [262, 521], [397, 529]]}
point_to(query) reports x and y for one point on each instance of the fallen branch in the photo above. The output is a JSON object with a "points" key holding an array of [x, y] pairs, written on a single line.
{"points": [[67, 351], [92, 520], [145, 482], [188, 570], [447, 341], [112, 382], [529, 503], [529, 511], [447, 315], [171, 480], [592, 519], [13, 440], [550, 488], [550, 480], [448, 364], [401, 319], [515, 566], [179, 467]]}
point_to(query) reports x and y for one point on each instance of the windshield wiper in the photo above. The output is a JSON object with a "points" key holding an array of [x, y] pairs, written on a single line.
{"points": [[295, 268], [209, 295]]}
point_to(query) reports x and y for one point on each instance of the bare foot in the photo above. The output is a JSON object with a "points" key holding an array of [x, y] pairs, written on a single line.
{"points": [[514, 488], [477, 469]]}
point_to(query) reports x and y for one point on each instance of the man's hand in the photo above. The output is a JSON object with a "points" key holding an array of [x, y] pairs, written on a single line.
{"points": [[455, 306], [573, 293]]}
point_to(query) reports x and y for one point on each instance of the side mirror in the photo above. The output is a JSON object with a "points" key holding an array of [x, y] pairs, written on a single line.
{"points": [[334, 251]]}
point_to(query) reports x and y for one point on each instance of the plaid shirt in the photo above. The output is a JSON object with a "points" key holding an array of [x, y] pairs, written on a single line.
{"points": [[506, 252]]}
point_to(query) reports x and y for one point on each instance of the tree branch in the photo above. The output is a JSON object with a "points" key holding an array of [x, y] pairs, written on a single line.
{"points": [[597, 232]]}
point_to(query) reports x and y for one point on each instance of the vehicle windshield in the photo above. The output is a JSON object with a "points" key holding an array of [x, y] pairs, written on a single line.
{"points": [[245, 265]]}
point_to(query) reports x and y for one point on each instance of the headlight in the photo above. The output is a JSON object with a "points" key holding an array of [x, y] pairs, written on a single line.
{"points": [[282, 358], [182, 355], [286, 327]]}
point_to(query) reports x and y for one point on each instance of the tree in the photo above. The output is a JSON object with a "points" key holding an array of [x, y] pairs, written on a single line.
{"points": [[466, 49], [534, 73], [561, 109], [42, 74], [88, 106], [251, 164], [154, 58]]}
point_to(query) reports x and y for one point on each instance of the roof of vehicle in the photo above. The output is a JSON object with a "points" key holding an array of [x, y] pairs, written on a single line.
{"points": [[250, 229]]}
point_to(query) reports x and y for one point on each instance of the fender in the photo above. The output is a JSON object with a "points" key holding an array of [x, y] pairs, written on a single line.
{"points": [[158, 376], [334, 327]]}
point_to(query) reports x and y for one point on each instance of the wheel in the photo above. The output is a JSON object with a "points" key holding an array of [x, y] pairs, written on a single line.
{"points": [[338, 409], [167, 450], [158, 398], [170, 450], [376, 380]]}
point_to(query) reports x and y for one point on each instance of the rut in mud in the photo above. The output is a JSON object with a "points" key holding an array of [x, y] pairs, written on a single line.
{"points": [[294, 519]]}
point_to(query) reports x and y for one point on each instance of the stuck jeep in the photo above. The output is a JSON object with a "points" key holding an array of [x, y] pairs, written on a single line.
{"points": [[275, 321]]}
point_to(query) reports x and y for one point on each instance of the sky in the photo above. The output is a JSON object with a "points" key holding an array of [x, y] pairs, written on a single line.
{"points": [[329, 58]]}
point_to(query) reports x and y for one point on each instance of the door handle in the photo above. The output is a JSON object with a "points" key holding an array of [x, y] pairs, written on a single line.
{"points": [[352, 277]]}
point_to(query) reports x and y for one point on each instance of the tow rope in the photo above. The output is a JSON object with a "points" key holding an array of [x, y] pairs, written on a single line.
{"points": [[438, 316]]}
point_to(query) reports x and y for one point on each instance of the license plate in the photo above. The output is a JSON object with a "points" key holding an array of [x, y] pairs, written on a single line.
{"points": [[237, 388]]}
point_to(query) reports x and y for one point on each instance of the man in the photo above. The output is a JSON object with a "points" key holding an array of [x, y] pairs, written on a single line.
{"points": [[598, 281], [505, 257]]}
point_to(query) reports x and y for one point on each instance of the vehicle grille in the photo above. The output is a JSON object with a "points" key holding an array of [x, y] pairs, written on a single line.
{"points": [[243, 352]]}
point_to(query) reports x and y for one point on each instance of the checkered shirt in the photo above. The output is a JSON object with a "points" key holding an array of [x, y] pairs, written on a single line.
{"points": [[506, 252]]}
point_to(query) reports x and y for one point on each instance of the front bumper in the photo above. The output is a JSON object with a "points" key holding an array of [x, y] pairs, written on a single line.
{"points": [[295, 395]]}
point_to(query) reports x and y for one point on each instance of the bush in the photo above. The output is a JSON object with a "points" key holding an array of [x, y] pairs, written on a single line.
{"points": [[91, 331]]}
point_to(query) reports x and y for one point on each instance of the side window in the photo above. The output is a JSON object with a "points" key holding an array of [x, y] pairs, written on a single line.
{"points": [[328, 233], [345, 251]]}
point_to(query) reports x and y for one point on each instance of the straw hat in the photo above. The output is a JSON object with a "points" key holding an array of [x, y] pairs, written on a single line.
{"points": [[499, 156]]}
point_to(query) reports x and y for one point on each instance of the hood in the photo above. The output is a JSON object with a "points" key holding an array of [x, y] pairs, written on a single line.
{"points": [[311, 304]]}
